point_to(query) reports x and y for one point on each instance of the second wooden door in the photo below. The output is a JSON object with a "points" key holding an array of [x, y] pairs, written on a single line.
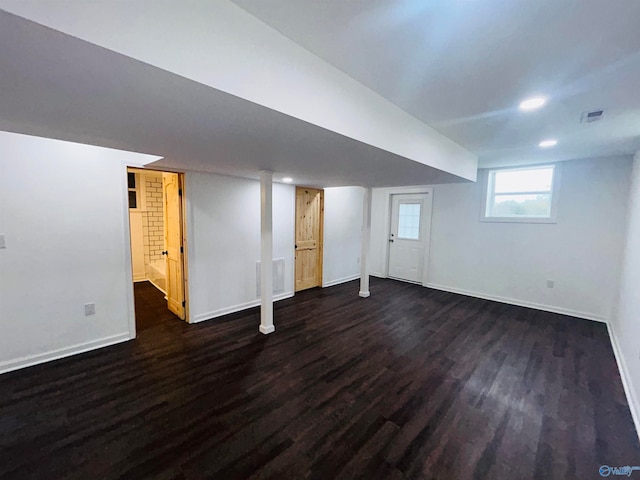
{"points": [[309, 220]]}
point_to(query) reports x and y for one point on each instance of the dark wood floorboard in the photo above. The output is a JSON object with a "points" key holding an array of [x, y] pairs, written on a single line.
{"points": [[410, 383], [151, 307]]}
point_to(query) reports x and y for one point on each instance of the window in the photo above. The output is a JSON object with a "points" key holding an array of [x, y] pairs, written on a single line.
{"points": [[133, 192], [521, 195], [409, 221]]}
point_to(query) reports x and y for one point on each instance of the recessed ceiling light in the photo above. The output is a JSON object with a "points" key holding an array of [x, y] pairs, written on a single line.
{"points": [[532, 103], [287, 179], [547, 143]]}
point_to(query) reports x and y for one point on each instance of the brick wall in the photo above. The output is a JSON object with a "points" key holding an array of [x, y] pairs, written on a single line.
{"points": [[153, 220]]}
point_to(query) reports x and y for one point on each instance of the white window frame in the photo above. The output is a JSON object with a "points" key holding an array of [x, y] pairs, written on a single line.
{"points": [[488, 194], [412, 202]]}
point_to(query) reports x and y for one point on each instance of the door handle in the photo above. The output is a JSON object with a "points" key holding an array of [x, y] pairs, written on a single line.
{"points": [[165, 253], [391, 240]]}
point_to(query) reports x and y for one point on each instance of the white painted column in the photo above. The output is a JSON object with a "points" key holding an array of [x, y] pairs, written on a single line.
{"points": [[266, 253], [366, 237]]}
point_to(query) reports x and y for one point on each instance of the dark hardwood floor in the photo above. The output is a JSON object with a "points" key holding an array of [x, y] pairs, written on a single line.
{"points": [[151, 307], [409, 383]]}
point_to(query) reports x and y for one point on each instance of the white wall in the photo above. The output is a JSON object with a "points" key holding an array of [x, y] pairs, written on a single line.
{"points": [[221, 45], [223, 221], [342, 234], [63, 209], [512, 262], [625, 328]]}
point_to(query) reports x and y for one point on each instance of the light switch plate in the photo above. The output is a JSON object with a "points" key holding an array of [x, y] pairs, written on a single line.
{"points": [[3, 242], [89, 309]]}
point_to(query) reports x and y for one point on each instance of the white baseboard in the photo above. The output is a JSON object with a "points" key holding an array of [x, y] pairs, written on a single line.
{"points": [[236, 308], [632, 399], [139, 278], [157, 286], [29, 360], [520, 303], [267, 330], [341, 280]]}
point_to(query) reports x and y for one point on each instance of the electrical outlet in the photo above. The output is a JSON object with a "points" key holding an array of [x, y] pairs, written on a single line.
{"points": [[551, 283], [3, 242], [89, 309], [358, 259]]}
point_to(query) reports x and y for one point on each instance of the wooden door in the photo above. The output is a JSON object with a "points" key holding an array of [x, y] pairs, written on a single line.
{"points": [[173, 247], [309, 221], [408, 236]]}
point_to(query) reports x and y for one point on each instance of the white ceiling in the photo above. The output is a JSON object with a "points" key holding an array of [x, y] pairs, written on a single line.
{"points": [[57, 86], [462, 66]]}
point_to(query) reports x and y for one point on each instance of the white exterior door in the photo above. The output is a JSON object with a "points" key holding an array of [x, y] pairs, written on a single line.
{"points": [[408, 236]]}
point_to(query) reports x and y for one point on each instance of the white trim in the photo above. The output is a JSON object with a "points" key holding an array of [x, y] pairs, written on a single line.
{"points": [[632, 400], [362, 294], [236, 308], [128, 279], [139, 278], [520, 303], [341, 280], [164, 292], [267, 329], [29, 360], [189, 233]]}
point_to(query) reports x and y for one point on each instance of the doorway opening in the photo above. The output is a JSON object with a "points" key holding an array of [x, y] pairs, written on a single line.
{"points": [[309, 238], [409, 231], [156, 222]]}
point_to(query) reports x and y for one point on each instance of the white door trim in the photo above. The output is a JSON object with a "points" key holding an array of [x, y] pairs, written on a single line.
{"points": [[186, 233], [388, 192]]}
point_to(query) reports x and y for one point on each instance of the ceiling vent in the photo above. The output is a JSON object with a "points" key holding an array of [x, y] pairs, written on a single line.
{"points": [[593, 116]]}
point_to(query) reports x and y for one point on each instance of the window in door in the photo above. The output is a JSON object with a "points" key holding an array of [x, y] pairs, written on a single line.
{"points": [[409, 221]]}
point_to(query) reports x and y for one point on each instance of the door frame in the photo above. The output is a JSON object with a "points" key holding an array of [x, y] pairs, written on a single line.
{"points": [[320, 265], [127, 241], [386, 222]]}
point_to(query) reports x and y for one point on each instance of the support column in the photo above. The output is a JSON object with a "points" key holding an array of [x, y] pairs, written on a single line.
{"points": [[266, 253], [366, 236]]}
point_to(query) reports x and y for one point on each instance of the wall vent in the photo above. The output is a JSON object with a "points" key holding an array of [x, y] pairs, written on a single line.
{"points": [[278, 276], [592, 116]]}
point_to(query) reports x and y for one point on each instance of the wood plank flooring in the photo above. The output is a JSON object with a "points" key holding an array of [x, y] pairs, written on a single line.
{"points": [[151, 307], [410, 383]]}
